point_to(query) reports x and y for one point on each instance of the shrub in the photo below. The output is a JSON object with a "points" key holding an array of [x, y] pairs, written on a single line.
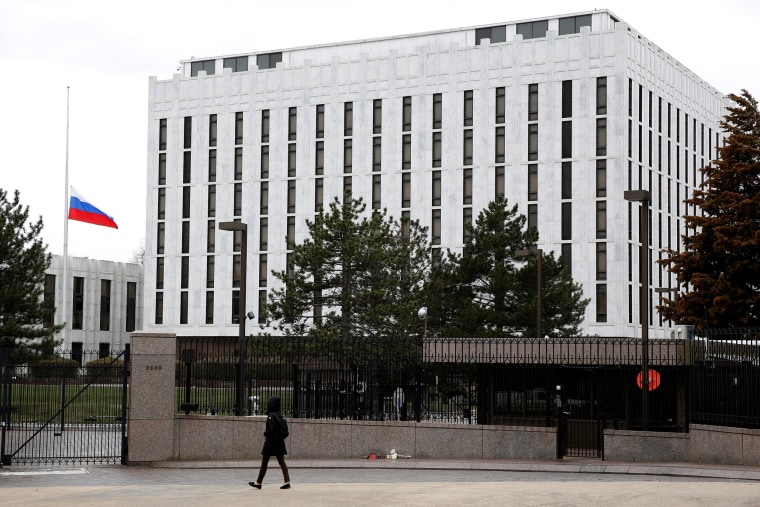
{"points": [[54, 367], [106, 368]]}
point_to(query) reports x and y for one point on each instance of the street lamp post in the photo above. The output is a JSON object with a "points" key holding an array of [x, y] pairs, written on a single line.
{"points": [[240, 383], [538, 253], [642, 196]]}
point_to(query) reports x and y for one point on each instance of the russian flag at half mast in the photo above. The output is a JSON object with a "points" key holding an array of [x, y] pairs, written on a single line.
{"points": [[81, 209]]}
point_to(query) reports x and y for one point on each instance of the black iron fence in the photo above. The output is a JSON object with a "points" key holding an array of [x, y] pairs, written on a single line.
{"points": [[69, 407], [726, 377], [507, 381]]}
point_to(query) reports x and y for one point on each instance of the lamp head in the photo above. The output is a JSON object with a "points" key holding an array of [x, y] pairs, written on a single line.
{"points": [[422, 313]]}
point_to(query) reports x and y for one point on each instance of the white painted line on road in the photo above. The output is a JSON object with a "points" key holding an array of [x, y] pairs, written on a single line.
{"points": [[48, 471]]}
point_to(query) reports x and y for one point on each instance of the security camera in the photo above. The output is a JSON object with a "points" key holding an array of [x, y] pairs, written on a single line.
{"points": [[250, 315]]}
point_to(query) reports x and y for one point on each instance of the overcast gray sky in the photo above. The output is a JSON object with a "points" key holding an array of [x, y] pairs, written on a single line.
{"points": [[105, 51]]}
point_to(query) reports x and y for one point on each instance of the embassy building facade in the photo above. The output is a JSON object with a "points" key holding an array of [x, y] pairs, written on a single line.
{"points": [[560, 115]]}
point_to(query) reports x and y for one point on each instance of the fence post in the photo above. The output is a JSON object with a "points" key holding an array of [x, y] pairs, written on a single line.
{"points": [[152, 404]]}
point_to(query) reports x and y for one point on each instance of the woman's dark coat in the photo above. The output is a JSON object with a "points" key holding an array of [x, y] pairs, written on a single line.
{"points": [[274, 445]]}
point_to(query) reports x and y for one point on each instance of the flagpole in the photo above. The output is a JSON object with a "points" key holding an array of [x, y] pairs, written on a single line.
{"points": [[66, 232]]}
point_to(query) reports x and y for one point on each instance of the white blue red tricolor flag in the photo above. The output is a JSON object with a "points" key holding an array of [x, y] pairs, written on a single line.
{"points": [[83, 210]]}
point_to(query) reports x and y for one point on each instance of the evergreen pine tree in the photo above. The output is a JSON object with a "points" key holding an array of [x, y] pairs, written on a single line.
{"points": [[718, 270], [23, 262]]}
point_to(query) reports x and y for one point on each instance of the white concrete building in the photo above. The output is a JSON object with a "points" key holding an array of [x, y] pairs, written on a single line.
{"points": [[103, 306], [561, 115]]}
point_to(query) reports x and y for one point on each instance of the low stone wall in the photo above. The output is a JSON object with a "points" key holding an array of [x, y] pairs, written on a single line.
{"points": [[210, 438], [703, 444], [649, 446], [722, 445]]}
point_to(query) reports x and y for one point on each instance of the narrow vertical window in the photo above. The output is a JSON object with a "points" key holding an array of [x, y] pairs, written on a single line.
{"points": [[567, 99], [211, 236], [184, 272], [319, 194], [601, 178], [376, 153], [292, 160], [292, 123], [263, 270], [159, 273], [406, 151], [186, 167], [131, 313], [601, 138], [500, 145], [601, 95], [188, 133], [376, 191], [211, 200], [377, 116], [500, 114], [162, 134], [291, 196], [320, 122], [209, 307], [238, 164], [468, 108], [237, 200], [436, 188], [263, 234], [161, 215], [499, 180], [467, 147], [264, 198], [348, 119], [264, 162], [467, 186], [162, 168], [601, 261], [601, 303], [567, 139], [265, 125], [435, 227], [212, 130], [532, 102], [159, 308], [533, 141], [77, 303], [319, 158], [567, 180], [437, 110], [406, 190], [238, 128], [532, 216], [567, 221], [437, 148], [347, 155], [601, 219], [211, 166], [185, 236], [210, 272], [532, 182], [406, 115], [466, 223], [105, 305]]}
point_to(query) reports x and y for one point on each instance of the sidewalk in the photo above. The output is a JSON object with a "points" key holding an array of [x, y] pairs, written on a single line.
{"points": [[567, 465], [362, 482]]}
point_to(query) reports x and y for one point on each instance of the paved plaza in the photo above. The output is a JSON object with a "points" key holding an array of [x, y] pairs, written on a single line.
{"points": [[384, 482]]}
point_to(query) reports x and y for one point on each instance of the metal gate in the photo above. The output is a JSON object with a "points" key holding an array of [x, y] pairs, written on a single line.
{"points": [[70, 407], [580, 423]]}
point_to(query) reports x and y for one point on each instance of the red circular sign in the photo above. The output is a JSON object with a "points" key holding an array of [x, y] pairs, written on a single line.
{"points": [[654, 379]]}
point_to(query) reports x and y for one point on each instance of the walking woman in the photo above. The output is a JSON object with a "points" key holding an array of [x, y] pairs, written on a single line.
{"points": [[274, 445]]}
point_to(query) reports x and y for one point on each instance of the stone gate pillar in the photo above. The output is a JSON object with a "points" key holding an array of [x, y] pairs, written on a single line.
{"points": [[151, 397]]}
